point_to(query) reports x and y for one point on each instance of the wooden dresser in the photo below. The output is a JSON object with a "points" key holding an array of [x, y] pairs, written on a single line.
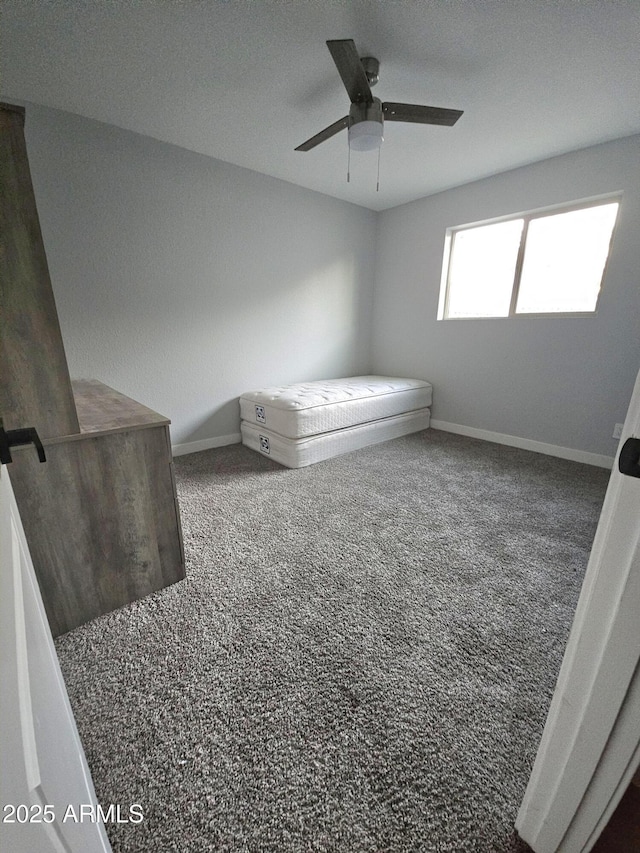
{"points": [[100, 515]]}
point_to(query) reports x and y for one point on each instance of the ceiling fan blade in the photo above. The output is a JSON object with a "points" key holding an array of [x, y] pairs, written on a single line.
{"points": [[421, 115], [325, 134], [350, 68]]}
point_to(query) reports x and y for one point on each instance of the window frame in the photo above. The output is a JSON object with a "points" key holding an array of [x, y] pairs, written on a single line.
{"points": [[527, 217]]}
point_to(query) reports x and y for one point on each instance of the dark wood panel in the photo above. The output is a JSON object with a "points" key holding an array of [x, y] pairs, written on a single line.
{"points": [[101, 515], [35, 389], [622, 833], [101, 520]]}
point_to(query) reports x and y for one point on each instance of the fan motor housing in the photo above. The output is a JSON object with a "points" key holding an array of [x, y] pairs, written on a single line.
{"points": [[371, 69], [366, 112]]}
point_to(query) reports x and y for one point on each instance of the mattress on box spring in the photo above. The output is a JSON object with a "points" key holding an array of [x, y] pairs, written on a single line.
{"points": [[309, 408], [297, 453]]}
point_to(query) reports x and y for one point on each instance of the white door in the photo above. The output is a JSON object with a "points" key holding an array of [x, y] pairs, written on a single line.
{"points": [[590, 747], [44, 770]]}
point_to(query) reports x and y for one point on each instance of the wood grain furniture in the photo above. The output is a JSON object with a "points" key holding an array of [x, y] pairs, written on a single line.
{"points": [[100, 515]]}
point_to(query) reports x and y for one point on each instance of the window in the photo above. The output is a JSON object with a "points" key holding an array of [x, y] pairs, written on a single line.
{"points": [[546, 262]]}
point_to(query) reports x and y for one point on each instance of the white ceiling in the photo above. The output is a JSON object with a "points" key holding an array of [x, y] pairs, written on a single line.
{"points": [[247, 80]]}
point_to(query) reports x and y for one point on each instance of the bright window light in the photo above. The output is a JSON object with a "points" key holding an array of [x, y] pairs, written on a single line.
{"points": [[537, 263], [483, 263], [564, 261]]}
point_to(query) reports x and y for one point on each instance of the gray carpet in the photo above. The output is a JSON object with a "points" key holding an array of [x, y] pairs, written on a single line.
{"points": [[360, 659]]}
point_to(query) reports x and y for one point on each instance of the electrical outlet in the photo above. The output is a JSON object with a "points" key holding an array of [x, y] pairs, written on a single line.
{"points": [[617, 430]]}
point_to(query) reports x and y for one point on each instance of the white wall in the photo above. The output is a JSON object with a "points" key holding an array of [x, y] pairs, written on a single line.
{"points": [[559, 381], [183, 281]]}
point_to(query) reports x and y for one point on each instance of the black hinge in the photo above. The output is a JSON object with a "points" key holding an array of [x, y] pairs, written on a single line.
{"points": [[629, 459], [15, 437]]}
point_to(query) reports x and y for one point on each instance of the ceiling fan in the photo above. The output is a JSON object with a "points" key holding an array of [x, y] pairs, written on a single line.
{"points": [[366, 116]]}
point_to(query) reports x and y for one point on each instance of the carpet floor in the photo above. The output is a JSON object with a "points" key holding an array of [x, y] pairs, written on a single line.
{"points": [[360, 659]]}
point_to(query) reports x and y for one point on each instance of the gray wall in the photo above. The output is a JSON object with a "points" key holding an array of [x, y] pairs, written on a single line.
{"points": [[561, 381], [183, 281]]}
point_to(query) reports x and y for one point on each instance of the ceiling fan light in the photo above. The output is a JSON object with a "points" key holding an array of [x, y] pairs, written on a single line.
{"points": [[365, 135]]}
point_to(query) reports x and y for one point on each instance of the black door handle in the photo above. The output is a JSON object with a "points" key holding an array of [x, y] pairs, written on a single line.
{"points": [[14, 437], [629, 459]]}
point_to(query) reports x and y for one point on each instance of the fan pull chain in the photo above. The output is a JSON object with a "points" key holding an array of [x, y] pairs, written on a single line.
{"points": [[348, 162], [378, 178]]}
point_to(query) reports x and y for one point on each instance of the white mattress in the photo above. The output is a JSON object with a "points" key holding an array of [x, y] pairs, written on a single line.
{"points": [[309, 408], [296, 453]]}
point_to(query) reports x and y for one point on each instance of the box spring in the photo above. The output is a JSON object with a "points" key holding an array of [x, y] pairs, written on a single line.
{"points": [[297, 453]]}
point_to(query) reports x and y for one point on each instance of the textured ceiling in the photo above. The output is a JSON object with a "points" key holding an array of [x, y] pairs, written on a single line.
{"points": [[247, 80]]}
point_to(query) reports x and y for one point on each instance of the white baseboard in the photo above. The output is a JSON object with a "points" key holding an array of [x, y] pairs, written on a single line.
{"points": [[206, 444], [598, 459]]}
